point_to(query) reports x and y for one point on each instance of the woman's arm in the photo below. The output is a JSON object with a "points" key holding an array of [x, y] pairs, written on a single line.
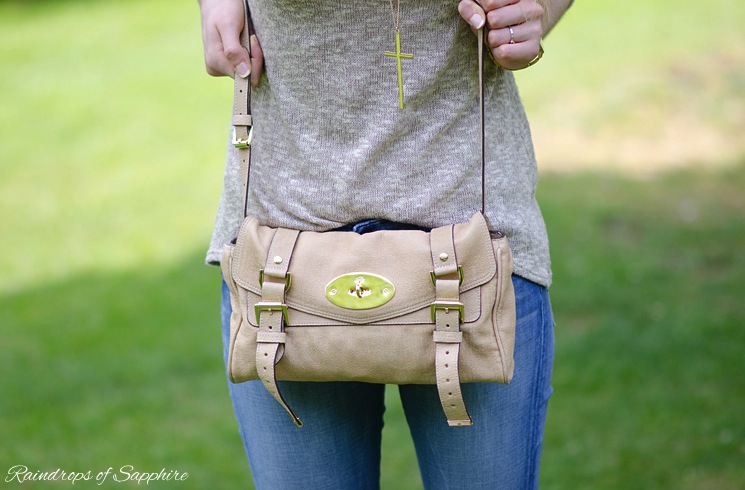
{"points": [[554, 11]]}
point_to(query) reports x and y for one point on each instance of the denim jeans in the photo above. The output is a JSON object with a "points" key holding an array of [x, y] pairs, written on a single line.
{"points": [[339, 445]]}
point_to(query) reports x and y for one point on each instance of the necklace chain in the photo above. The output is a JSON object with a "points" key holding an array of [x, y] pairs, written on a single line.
{"points": [[396, 14]]}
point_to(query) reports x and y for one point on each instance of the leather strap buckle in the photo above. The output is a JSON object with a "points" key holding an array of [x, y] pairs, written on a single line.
{"points": [[288, 280], [241, 143], [271, 306], [433, 277], [447, 306]]}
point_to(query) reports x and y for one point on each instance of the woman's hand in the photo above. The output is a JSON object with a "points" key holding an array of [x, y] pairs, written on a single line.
{"points": [[513, 29], [222, 23]]}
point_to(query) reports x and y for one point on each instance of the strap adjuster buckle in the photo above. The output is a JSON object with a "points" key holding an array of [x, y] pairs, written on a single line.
{"points": [[243, 143], [288, 280], [447, 306], [271, 306], [433, 277]]}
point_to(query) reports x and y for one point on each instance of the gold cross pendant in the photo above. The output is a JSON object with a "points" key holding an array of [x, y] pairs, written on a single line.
{"points": [[398, 55]]}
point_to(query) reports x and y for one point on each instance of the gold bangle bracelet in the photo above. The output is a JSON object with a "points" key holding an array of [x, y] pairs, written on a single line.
{"points": [[538, 56], [531, 63]]}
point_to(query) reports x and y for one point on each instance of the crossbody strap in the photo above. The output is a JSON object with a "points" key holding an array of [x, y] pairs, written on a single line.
{"points": [[243, 122], [271, 311]]}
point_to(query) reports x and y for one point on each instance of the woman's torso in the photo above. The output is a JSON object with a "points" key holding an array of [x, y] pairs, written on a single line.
{"points": [[332, 146]]}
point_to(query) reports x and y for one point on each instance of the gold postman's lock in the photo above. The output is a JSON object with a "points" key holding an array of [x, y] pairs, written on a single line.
{"points": [[360, 291]]}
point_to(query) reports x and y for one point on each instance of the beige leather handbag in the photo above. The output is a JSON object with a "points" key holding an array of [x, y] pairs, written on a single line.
{"points": [[401, 307]]}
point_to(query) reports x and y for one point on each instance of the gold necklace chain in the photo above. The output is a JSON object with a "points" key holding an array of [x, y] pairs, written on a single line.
{"points": [[396, 15]]}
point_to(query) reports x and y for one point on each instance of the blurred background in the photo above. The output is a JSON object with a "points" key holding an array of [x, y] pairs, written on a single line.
{"points": [[111, 151]]}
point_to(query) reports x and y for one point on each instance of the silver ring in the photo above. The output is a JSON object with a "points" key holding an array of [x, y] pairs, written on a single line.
{"points": [[512, 35]]}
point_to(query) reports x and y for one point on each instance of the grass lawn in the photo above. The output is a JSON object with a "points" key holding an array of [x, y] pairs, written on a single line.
{"points": [[111, 144]]}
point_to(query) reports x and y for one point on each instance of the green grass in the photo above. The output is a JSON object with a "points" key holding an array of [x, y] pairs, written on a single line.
{"points": [[648, 290], [111, 137], [111, 145], [640, 85]]}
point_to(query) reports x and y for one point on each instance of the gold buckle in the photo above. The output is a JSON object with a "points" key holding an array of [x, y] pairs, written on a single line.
{"points": [[433, 277], [447, 305], [288, 280], [271, 306], [243, 143]]}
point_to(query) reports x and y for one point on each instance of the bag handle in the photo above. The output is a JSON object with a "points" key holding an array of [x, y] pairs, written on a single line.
{"points": [[243, 122]]}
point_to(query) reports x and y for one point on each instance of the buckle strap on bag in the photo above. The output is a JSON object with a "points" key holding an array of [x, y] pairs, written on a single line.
{"points": [[271, 314], [448, 313]]}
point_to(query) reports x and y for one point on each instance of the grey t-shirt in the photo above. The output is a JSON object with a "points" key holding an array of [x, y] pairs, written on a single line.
{"points": [[331, 145]]}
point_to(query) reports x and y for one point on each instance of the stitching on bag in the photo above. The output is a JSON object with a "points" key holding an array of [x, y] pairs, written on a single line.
{"points": [[237, 265], [233, 291], [498, 310], [389, 318], [470, 283]]}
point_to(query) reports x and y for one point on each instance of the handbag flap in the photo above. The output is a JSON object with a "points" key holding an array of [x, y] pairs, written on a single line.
{"points": [[403, 258]]}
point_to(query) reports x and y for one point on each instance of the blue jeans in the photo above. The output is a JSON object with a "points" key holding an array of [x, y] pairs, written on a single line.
{"points": [[339, 445]]}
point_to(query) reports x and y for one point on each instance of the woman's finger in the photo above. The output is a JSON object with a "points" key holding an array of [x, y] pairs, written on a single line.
{"points": [[516, 56], [235, 52], [514, 14], [222, 22], [472, 13], [513, 34], [215, 62], [257, 60]]}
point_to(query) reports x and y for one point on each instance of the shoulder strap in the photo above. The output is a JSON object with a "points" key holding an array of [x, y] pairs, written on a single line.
{"points": [[482, 123], [243, 122]]}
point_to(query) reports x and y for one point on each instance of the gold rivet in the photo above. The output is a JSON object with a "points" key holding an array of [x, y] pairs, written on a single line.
{"points": [[277, 260], [444, 257]]}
